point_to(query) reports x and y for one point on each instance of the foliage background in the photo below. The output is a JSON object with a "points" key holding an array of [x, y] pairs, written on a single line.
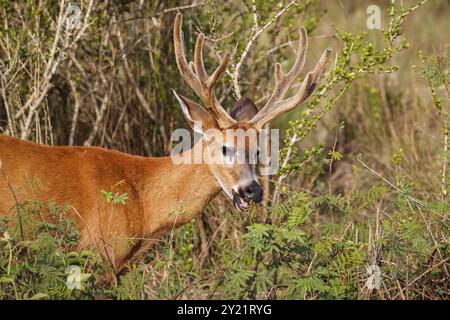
{"points": [[364, 178]]}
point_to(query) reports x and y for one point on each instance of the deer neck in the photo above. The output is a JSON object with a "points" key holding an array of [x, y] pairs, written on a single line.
{"points": [[173, 193]]}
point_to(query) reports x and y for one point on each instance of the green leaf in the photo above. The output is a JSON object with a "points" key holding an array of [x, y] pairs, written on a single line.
{"points": [[39, 296], [5, 279]]}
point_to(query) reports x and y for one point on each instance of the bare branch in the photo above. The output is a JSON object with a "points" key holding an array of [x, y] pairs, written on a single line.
{"points": [[256, 33]]}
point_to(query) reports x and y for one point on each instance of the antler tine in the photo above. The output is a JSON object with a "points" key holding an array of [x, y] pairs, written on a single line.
{"points": [[320, 66], [301, 56], [275, 106], [284, 80], [186, 72], [199, 66], [195, 75]]}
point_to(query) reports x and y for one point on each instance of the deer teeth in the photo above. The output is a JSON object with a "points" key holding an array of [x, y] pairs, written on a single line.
{"points": [[243, 203]]}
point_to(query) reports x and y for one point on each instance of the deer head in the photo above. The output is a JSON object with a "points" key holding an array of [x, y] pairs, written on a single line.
{"points": [[230, 140]]}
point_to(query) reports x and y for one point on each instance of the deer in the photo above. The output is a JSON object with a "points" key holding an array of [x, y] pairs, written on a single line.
{"points": [[160, 195]]}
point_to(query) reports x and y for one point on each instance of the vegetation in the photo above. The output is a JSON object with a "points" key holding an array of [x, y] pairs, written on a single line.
{"points": [[363, 188]]}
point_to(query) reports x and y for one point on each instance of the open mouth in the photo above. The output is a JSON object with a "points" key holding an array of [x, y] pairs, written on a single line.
{"points": [[239, 202]]}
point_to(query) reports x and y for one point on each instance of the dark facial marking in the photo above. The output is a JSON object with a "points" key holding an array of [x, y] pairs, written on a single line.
{"points": [[311, 89], [244, 110]]}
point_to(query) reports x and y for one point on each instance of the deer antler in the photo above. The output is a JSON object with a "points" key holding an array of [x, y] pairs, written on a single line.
{"points": [[283, 81], [194, 74]]}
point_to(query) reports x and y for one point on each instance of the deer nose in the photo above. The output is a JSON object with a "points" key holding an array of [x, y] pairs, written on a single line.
{"points": [[253, 192]]}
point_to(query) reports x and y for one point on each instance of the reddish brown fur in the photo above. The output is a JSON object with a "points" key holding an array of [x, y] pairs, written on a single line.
{"points": [[161, 194]]}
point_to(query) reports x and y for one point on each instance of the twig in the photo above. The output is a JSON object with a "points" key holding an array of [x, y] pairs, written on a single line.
{"points": [[76, 111], [19, 216], [398, 189], [41, 89], [189, 6], [426, 271], [256, 33]]}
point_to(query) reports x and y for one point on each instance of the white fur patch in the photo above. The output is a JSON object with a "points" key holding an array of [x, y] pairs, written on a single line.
{"points": [[197, 125]]}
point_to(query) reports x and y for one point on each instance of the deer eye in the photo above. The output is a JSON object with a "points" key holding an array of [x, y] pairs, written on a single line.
{"points": [[227, 152]]}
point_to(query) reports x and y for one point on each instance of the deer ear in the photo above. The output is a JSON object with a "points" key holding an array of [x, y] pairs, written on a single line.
{"points": [[198, 118], [244, 110]]}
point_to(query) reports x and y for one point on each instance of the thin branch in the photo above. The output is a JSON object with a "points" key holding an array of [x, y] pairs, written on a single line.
{"points": [[179, 8], [256, 34], [420, 203]]}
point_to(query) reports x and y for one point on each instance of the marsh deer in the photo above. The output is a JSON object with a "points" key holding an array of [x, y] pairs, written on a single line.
{"points": [[161, 194]]}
